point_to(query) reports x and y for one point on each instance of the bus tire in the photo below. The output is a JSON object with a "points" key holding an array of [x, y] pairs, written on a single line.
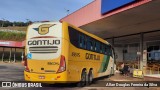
{"points": [[82, 83], [90, 77]]}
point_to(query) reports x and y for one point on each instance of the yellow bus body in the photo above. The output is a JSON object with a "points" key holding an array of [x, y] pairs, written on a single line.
{"points": [[75, 60]]}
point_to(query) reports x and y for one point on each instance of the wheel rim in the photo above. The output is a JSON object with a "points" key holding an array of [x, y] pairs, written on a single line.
{"points": [[90, 77], [83, 79]]}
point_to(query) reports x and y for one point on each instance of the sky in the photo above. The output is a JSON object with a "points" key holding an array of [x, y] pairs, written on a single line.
{"points": [[38, 10]]}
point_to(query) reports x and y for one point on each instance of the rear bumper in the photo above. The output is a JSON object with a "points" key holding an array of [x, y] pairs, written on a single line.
{"points": [[47, 78]]}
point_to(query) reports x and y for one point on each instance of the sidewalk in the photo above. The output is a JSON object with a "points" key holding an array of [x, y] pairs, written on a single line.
{"points": [[18, 62], [118, 77]]}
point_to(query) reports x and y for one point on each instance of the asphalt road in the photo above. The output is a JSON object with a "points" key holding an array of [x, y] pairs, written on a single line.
{"points": [[14, 72], [11, 72]]}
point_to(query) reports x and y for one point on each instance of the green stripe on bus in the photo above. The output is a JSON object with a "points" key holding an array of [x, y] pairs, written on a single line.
{"points": [[104, 64]]}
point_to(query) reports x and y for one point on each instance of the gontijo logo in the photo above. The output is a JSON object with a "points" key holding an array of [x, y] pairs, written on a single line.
{"points": [[44, 29]]}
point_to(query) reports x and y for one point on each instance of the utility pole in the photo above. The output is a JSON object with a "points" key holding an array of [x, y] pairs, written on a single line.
{"points": [[3, 20]]}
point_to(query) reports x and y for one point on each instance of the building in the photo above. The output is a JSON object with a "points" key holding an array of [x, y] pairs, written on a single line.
{"points": [[131, 26], [11, 44], [11, 51]]}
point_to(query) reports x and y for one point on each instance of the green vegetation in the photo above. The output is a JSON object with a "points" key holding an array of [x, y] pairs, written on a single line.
{"points": [[4, 23], [24, 28], [12, 36]]}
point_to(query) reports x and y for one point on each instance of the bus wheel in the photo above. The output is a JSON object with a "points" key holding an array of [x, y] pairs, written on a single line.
{"points": [[82, 83], [90, 77]]}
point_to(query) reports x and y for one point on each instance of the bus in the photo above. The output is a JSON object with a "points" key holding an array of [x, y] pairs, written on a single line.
{"points": [[58, 52]]}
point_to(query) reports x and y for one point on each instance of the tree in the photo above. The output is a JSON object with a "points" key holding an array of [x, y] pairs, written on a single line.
{"points": [[4, 23]]}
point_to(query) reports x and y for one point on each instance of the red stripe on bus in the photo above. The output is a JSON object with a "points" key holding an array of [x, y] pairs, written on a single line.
{"points": [[44, 37]]}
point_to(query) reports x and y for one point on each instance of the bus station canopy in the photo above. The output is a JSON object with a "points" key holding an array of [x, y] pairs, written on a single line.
{"points": [[4, 43], [141, 17]]}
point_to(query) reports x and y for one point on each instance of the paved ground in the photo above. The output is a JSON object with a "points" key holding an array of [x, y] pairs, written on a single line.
{"points": [[14, 72], [11, 72]]}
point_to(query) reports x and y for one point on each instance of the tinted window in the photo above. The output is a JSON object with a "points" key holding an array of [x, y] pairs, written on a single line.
{"points": [[94, 45], [80, 40], [98, 47], [73, 35], [83, 41], [89, 43]]}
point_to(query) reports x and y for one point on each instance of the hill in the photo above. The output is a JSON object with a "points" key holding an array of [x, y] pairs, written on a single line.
{"points": [[14, 28], [13, 33]]}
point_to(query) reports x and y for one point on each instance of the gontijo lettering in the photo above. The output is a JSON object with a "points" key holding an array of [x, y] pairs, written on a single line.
{"points": [[43, 42], [92, 56]]}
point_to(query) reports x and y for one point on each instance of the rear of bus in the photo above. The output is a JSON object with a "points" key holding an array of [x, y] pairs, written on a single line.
{"points": [[45, 61]]}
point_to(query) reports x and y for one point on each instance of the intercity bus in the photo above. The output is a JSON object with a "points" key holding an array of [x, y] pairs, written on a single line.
{"points": [[62, 53]]}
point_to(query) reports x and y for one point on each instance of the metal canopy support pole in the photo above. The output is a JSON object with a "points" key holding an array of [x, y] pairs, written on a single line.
{"points": [[14, 55], [10, 55], [3, 55], [22, 55], [141, 50]]}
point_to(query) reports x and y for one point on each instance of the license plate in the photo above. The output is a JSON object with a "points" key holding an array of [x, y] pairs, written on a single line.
{"points": [[41, 77]]}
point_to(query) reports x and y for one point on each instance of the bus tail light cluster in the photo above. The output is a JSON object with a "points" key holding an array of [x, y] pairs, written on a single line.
{"points": [[62, 66], [26, 64]]}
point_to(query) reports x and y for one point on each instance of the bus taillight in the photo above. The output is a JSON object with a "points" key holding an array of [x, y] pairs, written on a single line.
{"points": [[25, 61], [27, 69], [62, 66], [26, 64]]}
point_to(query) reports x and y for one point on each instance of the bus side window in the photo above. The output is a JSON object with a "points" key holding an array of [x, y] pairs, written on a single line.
{"points": [[105, 49], [97, 47], [88, 43], [80, 40], [74, 36], [91, 43], [100, 47], [94, 45], [108, 50], [84, 42]]}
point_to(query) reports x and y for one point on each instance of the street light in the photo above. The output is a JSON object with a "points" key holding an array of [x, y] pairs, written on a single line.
{"points": [[67, 10]]}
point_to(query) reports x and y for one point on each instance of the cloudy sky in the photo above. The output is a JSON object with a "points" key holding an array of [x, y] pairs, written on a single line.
{"points": [[38, 10]]}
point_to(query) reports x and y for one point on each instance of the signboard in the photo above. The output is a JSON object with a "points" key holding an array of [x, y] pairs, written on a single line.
{"points": [[110, 5], [10, 43]]}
